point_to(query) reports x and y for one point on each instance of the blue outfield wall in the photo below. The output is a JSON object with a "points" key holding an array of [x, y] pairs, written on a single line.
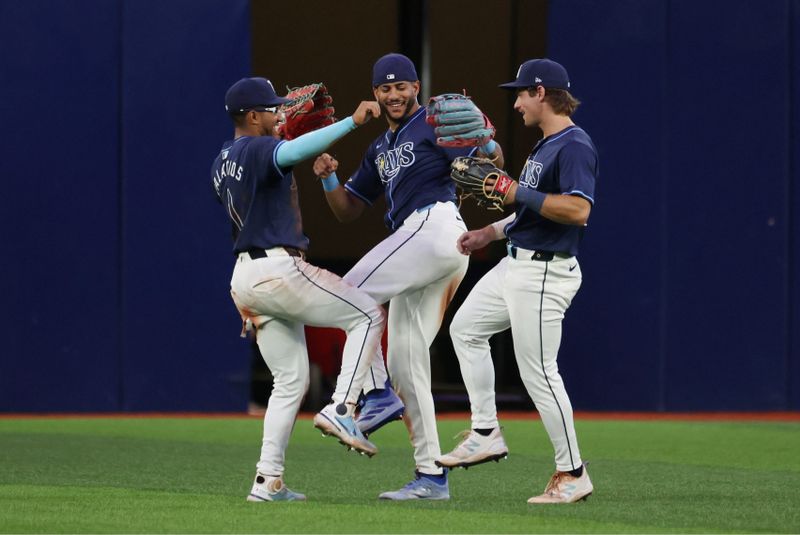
{"points": [[686, 302], [117, 257], [115, 279]]}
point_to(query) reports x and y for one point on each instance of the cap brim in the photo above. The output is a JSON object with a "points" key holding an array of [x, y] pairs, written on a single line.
{"points": [[513, 85], [278, 101]]}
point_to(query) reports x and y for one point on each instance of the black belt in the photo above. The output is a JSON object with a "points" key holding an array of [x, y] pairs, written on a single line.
{"points": [[261, 253], [537, 254]]}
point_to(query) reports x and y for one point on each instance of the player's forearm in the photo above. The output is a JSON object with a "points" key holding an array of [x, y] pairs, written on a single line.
{"points": [[292, 152], [564, 209], [494, 152], [498, 227], [344, 206]]}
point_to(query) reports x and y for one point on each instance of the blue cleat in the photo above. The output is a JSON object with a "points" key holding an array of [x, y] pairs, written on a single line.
{"points": [[422, 487], [334, 420], [272, 489], [378, 408]]}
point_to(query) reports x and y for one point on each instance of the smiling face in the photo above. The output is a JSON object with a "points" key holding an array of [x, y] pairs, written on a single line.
{"points": [[530, 103], [397, 100]]}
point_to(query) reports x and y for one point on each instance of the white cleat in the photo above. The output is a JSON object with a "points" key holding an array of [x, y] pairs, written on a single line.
{"points": [[343, 426], [475, 449], [564, 488], [271, 489]]}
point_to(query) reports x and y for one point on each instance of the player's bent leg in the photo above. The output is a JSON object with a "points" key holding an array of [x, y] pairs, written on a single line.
{"points": [[282, 346], [483, 313]]}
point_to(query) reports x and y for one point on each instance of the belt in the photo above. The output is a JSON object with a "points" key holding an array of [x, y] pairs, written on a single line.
{"points": [[255, 254], [518, 253]]}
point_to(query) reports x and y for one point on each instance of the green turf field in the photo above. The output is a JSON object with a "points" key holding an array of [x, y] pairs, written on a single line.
{"points": [[192, 476]]}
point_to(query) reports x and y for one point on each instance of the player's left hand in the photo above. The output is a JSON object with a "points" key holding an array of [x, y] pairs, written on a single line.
{"points": [[488, 186], [310, 109], [457, 121]]}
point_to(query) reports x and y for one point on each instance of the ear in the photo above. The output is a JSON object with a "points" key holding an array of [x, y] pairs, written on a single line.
{"points": [[375, 93], [417, 85], [253, 117]]}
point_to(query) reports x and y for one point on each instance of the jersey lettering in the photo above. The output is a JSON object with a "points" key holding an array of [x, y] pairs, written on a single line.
{"points": [[390, 163], [531, 174]]}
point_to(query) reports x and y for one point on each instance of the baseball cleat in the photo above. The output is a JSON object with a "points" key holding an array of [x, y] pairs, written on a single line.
{"points": [[565, 488], [475, 449], [378, 408], [272, 489], [422, 487], [338, 421]]}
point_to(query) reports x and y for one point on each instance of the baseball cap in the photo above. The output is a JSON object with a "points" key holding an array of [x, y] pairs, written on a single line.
{"points": [[393, 68], [252, 93], [544, 72]]}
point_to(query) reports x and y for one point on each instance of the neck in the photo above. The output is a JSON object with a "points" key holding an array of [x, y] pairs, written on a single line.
{"points": [[555, 124], [246, 131]]}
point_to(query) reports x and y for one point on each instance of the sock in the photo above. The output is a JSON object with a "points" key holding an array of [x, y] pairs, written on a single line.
{"points": [[441, 479], [484, 432], [578, 472]]}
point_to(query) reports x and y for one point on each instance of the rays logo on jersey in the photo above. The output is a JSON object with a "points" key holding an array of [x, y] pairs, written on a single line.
{"points": [[531, 174], [390, 163]]}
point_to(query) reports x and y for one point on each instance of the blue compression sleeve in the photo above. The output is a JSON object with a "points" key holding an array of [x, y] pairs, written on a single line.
{"points": [[292, 152]]}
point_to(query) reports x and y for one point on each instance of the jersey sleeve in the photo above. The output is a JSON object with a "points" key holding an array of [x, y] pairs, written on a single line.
{"points": [[577, 165], [265, 149], [366, 182]]}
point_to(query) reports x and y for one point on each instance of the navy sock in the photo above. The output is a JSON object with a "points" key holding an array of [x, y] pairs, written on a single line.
{"points": [[441, 479], [578, 472]]}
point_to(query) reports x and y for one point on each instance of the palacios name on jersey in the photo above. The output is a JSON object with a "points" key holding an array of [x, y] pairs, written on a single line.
{"points": [[229, 168]]}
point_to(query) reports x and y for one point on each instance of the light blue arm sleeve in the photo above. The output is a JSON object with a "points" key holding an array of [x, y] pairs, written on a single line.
{"points": [[290, 153]]}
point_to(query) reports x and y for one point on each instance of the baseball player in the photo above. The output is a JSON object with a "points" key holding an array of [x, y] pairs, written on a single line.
{"points": [[532, 287], [416, 268], [275, 289]]}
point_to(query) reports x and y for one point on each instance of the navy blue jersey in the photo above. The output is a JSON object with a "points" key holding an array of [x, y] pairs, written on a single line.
{"points": [[259, 196], [408, 167], [563, 163]]}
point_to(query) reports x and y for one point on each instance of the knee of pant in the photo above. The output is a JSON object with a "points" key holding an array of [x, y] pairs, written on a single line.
{"points": [[292, 384], [460, 333]]}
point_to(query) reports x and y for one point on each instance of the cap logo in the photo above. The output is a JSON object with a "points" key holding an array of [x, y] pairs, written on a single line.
{"points": [[390, 76], [537, 80], [519, 71], [270, 86]]}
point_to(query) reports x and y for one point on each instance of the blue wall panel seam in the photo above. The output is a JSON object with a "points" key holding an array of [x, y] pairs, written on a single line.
{"points": [[121, 212], [791, 275], [664, 234]]}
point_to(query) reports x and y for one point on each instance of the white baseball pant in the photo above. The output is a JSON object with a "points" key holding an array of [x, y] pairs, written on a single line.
{"points": [[279, 294], [531, 298], [417, 269]]}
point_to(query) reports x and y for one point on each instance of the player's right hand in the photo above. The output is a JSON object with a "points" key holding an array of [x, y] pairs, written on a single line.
{"points": [[324, 165], [472, 240], [366, 111]]}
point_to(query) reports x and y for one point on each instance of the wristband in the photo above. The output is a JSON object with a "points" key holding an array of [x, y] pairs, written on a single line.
{"points": [[531, 198], [536, 200], [330, 183], [489, 148]]}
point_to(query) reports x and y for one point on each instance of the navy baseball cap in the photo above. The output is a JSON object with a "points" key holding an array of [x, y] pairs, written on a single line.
{"points": [[393, 68], [252, 94], [544, 72]]}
